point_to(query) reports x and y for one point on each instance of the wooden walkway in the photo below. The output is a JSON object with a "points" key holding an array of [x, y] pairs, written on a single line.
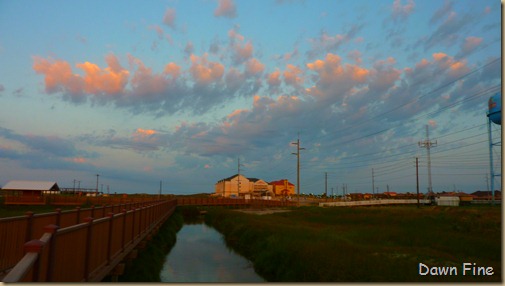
{"points": [[88, 244]]}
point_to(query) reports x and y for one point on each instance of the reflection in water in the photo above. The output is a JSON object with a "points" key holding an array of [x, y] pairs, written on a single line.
{"points": [[200, 255]]}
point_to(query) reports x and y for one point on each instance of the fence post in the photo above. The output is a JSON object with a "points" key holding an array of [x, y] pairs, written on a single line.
{"points": [[29, 223], [35, 246], [78, 213], [109, 243], [51, 260], [93, 211], [133, 224], [58, 216], [89, 220], [124, 230]]}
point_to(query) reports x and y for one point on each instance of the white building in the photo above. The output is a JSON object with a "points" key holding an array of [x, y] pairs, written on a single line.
{"points": [[241, 186]]}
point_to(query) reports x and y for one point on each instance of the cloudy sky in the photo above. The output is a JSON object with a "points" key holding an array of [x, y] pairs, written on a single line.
{"points": [[176, 91]]}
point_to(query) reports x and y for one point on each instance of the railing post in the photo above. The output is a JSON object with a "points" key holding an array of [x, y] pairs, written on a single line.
{"points": [[93, 211], [89, 220], [109, 243], [78, 213], [133, 224], [35, 246], [51, 260], [124, 231], [29, 223], [58, 216]]}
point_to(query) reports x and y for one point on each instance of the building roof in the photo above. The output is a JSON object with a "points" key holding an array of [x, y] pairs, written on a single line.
{"points": [[31, 185], [280, 182]]}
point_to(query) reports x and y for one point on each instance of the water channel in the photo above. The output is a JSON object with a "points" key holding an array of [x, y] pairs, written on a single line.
{"points": [[200, 255]]}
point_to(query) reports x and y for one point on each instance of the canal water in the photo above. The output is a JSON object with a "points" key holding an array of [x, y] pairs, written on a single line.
{"points": [[200, 255]]}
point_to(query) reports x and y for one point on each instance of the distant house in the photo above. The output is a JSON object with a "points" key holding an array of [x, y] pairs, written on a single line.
{"points": [[233, 186], [30, 188], [283, 187], [239, 186], [260, 187], [486, 195]]}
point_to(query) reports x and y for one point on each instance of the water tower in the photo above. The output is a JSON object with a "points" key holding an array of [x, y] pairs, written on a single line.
{"points": [[494, 116]]}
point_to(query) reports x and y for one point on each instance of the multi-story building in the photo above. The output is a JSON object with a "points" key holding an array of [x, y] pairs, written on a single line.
{"points": [[241, 186], [283, 187]]}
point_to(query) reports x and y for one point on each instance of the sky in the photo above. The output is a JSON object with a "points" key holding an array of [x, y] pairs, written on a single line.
{"points": [[143, 92]]}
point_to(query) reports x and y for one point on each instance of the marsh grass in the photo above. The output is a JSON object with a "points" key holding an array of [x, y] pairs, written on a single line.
{"points": [[311, 244]]}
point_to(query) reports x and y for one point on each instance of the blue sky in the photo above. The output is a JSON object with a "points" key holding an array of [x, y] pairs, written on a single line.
{"points": [[177, 91]]}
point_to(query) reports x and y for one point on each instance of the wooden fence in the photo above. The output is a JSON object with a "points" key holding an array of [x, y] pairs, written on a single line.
{"points": [[15, 231], [233, 202], [73, 200]]}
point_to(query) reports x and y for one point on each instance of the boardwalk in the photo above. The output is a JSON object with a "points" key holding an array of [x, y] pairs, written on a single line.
{"points": [[89, 244]]}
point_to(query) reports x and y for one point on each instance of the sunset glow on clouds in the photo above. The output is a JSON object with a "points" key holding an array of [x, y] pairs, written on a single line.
{"points": [[169, 91]]}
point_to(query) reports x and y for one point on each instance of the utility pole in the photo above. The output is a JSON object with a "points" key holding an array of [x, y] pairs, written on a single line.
{"points": [[97, 182], [373, 184], [428, 144], [417, 180], [487, 182], [298, 148], [326, 184]]}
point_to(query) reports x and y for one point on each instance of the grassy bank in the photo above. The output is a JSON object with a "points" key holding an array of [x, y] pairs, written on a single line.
{"points": [[381, 244]]}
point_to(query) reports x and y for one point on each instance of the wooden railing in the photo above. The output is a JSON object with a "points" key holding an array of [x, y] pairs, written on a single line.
{"points": [[15, 231], [233, 202], [73, 200], [87, 244]]}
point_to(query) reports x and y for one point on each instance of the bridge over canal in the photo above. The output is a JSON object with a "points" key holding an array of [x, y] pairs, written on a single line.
{"points": [[86, 245]]}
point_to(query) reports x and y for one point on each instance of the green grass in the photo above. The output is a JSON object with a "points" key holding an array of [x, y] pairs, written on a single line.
{"points": [[379, 244]]}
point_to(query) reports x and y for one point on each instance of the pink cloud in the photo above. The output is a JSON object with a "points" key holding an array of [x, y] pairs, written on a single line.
{"points": [[205, 72], [274, 78], [111, 80], [400, 11], [470, 44], [292, 75], [331, 70], [226, 8], [234, 35], [455, 68], [145, 136], [172, 69], [169, 18], [242, 53], [144, 81], [254, 66], [59, 76]]}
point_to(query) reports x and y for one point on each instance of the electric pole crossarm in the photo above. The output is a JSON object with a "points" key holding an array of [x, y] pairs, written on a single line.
{"points": [[298, 148], [428, 144]]}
